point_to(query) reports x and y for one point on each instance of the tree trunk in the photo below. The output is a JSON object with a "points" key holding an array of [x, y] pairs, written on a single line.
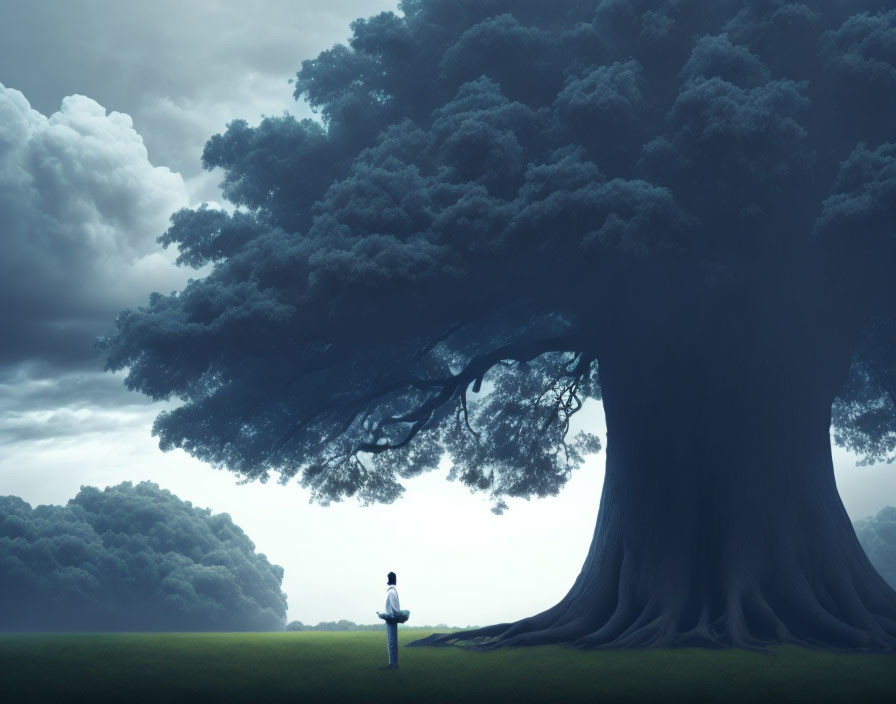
{"points": [[720, 523]]}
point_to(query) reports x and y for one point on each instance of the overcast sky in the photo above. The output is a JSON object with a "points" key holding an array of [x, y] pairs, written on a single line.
{"points": [[104, 109]]}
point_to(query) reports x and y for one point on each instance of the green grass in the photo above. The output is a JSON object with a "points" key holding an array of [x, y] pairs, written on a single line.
{"points": [[342, 667]]}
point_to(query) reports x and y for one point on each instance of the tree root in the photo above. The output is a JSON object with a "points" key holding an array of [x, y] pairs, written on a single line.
{"points": [[749, 622]]}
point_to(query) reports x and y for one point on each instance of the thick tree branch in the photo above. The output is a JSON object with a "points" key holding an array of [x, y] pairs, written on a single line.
{"points": [[449, 387]]}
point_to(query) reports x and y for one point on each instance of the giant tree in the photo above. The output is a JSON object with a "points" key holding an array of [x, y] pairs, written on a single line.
{"points": [[683, 208]]}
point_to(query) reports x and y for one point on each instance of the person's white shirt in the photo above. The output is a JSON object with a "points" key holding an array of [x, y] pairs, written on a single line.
{"points": [[392, 605]]}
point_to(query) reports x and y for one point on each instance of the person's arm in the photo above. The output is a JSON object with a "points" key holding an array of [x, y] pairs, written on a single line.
{"points": [[392, 605]]}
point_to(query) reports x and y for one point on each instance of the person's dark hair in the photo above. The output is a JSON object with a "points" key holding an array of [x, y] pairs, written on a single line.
{"points": [[391, 578]]}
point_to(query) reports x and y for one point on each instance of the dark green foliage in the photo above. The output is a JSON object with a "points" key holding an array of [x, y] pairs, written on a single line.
{"points": [[878, 537], [864, 413], [500, 192], [132, 558]]}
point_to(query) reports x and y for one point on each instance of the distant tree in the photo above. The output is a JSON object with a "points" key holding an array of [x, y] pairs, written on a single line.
{"points": [[877, 535], [684, 208], [341, 625], [132, 558]]}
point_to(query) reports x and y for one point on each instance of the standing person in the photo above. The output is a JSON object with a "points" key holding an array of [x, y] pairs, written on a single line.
{"points": [[392, 610]]}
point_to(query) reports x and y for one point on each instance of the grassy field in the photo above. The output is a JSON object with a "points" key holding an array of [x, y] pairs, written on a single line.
{"points": [[342, 667]]}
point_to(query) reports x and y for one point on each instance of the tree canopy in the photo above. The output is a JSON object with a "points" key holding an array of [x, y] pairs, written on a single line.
{"points": [[497, 196], [132, 558]]}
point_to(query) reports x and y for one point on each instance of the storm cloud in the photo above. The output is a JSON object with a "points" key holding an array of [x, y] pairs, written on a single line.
{"points": [[104, 110], [82, 207], [181, 70]]}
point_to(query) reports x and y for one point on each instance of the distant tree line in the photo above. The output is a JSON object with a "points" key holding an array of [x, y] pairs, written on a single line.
{"points": [[132, 558], [343, 625]]}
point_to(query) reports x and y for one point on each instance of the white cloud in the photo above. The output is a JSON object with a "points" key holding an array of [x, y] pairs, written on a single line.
{"points": [[182, 70], [81, 208]]}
